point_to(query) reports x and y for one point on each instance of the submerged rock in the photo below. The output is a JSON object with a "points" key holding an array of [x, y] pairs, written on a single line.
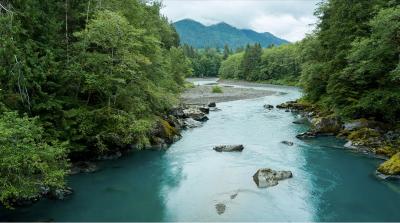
{"points": [[111, 156], [83, 167], [391, 166], [300, 121], [267, 177], [269, 107], [287, 143], [59, 194], [229, 148], [220, 207]]}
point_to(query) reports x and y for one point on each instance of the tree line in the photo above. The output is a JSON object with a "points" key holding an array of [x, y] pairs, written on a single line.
{"points": [[351, 62], [80, 78]]}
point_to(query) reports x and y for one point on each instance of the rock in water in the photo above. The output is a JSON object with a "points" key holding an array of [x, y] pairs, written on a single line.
{"points": [[306, 135], [392, 166], [229, 148], [287, 143], [267, 177], [205, 110], [212, 105], [191, 123], [220, 207], [326, 125], [269, 107]]}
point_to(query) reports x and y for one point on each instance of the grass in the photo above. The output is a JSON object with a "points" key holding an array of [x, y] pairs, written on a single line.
{"points": [[216, 89]]}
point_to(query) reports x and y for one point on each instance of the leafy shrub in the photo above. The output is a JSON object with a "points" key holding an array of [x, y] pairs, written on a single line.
{"points": [[216, 89], [27, 160]]}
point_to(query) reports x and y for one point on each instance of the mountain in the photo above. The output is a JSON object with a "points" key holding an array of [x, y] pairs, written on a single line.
{"points": [[216, 36]]}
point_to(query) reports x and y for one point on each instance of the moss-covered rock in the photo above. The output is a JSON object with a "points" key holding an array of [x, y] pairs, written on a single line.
{"points": [[329, 124], [386, 151], [391, 166]]}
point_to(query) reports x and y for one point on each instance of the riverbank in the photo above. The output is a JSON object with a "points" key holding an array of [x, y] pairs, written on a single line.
{"points": [[368, 136], [231, 91]]}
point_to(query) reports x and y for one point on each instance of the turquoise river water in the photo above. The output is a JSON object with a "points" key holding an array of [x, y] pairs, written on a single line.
{"points": [[185, 182]]}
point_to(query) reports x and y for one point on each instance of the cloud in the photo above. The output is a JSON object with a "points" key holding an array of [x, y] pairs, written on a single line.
{"points": [[289, 19]]}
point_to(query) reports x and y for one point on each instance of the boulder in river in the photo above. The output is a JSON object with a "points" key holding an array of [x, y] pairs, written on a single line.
{"points": [[220, 208], [306, 135], [191, 123], [212, 105], [391, 167], [59, 194], [229, 148], [269, 107], [267, 177], [83, 167], [287, 143], [205, 110], [195, 114], [326, 125]]}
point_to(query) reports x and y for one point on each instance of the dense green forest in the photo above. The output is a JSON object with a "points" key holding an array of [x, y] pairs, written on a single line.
{"points": [[218, 35], [349, 65], [276, 64], [205, 62], [80, 78], [351, 62]]}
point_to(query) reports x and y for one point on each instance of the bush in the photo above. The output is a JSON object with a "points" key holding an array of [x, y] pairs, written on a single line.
{"points": [[27, 160], [217, 89]]}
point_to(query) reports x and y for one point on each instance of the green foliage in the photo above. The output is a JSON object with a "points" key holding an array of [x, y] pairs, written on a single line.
{"points": [[27, 160], [276, 65], [216, 89], [230, 68], [205, 62], [351, 63], [97, 76]]}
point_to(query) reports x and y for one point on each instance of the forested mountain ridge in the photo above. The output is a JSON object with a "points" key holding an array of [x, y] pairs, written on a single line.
{"points": [[198, 35]]}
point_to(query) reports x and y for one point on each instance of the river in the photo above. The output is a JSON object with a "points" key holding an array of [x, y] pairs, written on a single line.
{"points": [[185, 182]]}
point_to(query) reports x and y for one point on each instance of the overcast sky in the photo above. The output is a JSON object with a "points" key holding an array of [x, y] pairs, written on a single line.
{"points": [[288, 19]]}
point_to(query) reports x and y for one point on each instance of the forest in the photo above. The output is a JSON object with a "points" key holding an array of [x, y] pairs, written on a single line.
{"points": [[86, 78], [79, 78], [349, 65]]}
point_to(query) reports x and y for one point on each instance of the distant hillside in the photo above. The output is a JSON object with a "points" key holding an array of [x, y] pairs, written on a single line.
{"points": [[200, 36]]}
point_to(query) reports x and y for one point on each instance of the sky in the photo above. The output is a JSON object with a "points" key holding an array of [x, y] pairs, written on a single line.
{"points": [[287, 19]]}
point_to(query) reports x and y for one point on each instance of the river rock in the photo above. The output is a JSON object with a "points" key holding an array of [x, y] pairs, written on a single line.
{"points": [[306, 135], [391, 167], [215, 109], [292, 105], [267, 177], [191, 123], [205, 110], [220, 208], [287, 143], [83, 167], [60, 194], [269, 107], [111, 156], [195, 114], [326, 125], [229, 148], [212, 105]]}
